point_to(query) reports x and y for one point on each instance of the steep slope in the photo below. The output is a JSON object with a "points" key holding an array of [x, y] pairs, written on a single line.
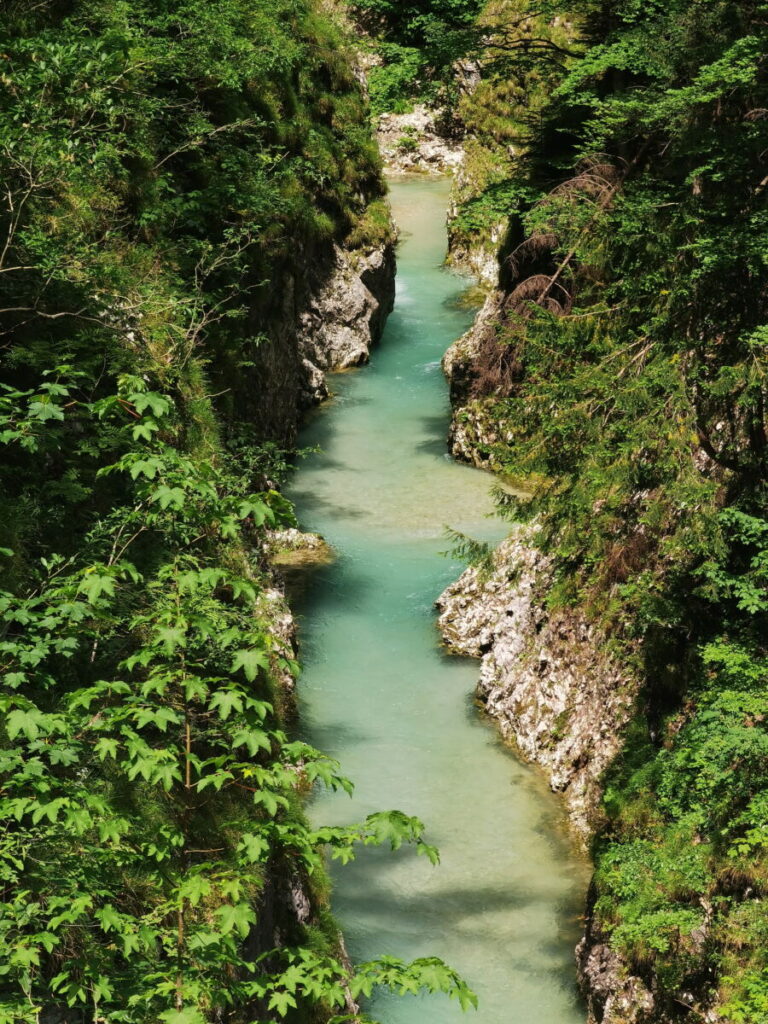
{"points": [[620, 370]]}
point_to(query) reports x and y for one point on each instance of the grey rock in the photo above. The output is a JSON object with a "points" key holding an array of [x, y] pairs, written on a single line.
{"points": [[473, 431], [480, 256], [326, 319], [341, 322], [547, 678], [614, 996], [427, 151], [272, 607]]}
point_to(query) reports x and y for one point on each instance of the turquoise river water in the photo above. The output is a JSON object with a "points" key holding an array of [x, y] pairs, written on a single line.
{"points": [[380, 695]]}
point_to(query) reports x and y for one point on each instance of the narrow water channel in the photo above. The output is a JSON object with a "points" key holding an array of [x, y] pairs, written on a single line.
{"points": [[380, 695]]}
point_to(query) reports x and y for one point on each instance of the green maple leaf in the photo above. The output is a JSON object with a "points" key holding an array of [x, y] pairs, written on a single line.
{"points": [[250, 662], [238, 918], [190, 1016], [94, 586], [143, 400], [281, 1001], [171, 637], [169, 497], [25, 722], [226, 701]]}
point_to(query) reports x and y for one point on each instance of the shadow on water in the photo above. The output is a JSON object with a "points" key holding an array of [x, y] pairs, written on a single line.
{"points": [[313, 506], [467, 902], [336, 735], [435, 432], [326, 591]]}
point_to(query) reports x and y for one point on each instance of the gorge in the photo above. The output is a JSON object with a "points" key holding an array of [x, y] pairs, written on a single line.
{"points": [[197, 260], [377, 692]]}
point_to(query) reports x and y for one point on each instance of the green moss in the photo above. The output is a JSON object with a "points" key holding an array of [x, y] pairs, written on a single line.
{"points": [[560, 725], [373, 229]]}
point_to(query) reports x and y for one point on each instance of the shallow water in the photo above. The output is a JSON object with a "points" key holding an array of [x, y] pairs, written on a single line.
{"points": [[379, 694]]}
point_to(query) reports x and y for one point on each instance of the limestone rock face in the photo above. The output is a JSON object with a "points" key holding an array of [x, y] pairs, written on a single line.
{"points": [[473, 431], [614, 996], [346, 316], [547, 678], [327, 319], [273, 608], [459, 358], [413, 143], [481, 261], [480, 256]]}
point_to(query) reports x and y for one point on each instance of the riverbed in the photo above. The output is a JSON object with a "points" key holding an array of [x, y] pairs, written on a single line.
{"points": [[379, 693]]}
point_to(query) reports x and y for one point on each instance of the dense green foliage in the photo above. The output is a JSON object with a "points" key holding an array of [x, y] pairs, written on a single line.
{"points": [[149, 793], [627, 372], [164, 165], [416, 44], [520, 50], [417, 23]]}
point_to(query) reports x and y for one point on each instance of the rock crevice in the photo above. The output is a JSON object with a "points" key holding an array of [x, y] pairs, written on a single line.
{"points": [[474, 432]]}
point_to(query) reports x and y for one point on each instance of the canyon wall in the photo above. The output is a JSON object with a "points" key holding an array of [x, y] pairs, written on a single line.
{"points": [[330, 309]]}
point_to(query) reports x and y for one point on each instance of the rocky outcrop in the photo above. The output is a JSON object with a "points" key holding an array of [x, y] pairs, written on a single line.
{"points": [[473, 435], [293, 555], [561, 696], [614, 995], [617, 996], [480, 260], [414, 143], [273, 608], [476, 254], [323, 317], [458, 359], [287, 905], [344, 318], [547, 677], [473, 432], [293, 544]]}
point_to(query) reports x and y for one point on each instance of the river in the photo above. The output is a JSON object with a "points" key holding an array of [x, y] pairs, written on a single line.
{"points": [[379, 694]]}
